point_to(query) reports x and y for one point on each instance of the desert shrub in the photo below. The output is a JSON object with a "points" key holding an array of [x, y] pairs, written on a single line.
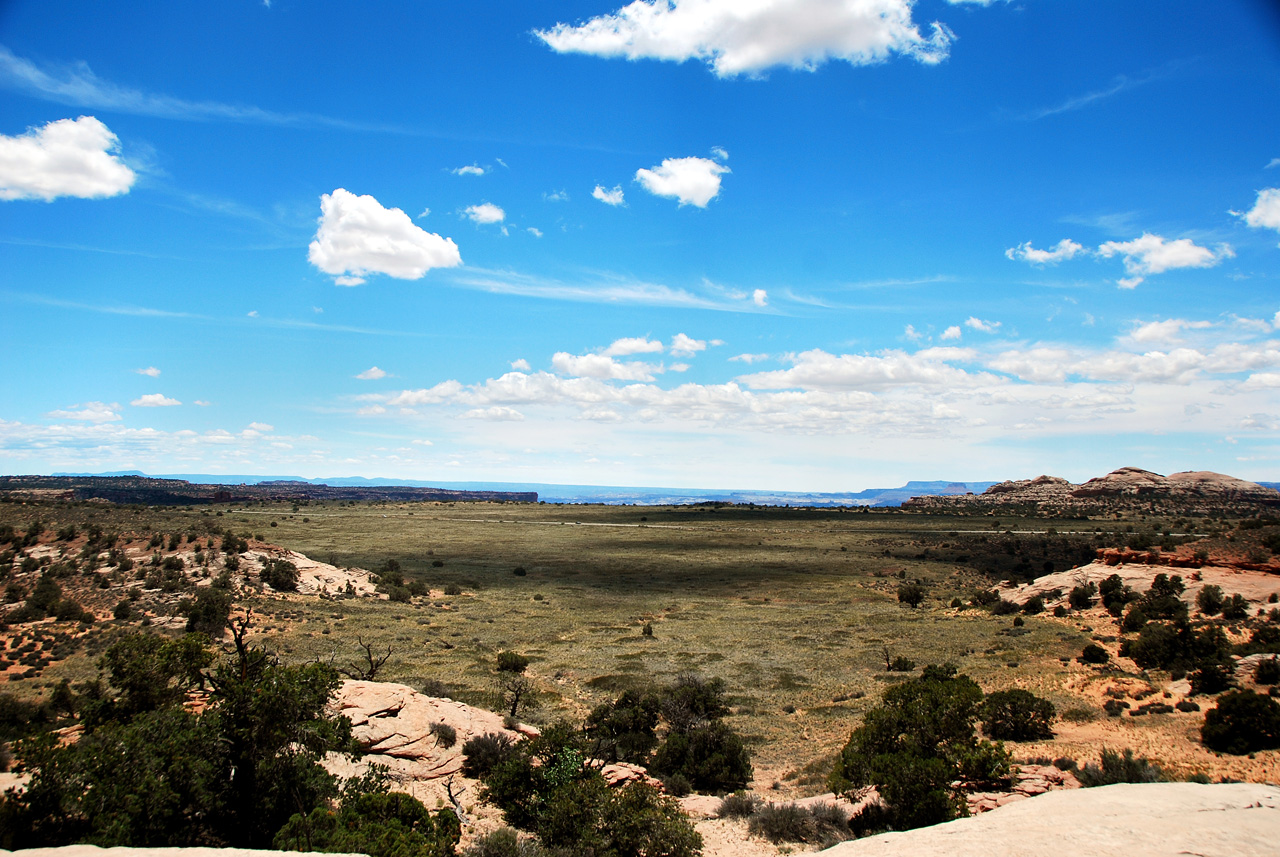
{"points": [[380, 824], [692, 700], [677, 785], [1186, 705], [911, 594], [1081, 596], [738, 805], [281, 575], [1018, 622], [1211, 678], [547, 787], [452, 589], [390, 574], [985, 598], [712, 757], [786, 822], [1117, 768], [399, 595], [1033, 605], [510, 662], [1163, 600], [1235, 608], [624, 730], [208, 612], [483, 753], [1004, 608], [1017, 715], [1134, 620], [1094, 654], [1267, 672], [123, 610], [957, 603], [910, 747], [164, 775], [1242, 722], [1178, 648], [901, 665], [1210, 599], [1264, 638], [1115, 594], [446, 736], [503, 842]]}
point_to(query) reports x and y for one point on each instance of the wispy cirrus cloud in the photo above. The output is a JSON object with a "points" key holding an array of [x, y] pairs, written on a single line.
{"points": [[76, 85], [1119, 84]]}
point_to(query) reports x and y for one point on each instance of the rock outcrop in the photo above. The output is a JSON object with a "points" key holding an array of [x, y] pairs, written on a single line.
{"points": [[1198, 492], [393, 723], [1147, 820]]}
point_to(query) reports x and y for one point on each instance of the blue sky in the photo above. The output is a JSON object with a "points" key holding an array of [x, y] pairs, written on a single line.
{"points": [[787, 244]]}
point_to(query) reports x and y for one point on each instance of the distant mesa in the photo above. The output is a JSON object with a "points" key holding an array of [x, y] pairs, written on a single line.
{"points": [[147, 490], [1189, 492]]}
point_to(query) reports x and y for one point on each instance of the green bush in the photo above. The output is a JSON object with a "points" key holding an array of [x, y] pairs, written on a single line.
{"points": [[510, 662], [281, 575], [712, 757], [446, 736], [147, 772], [1094, 654], [1081, 596], [1033, 605], [386, 824], [208, 612], [503, 842], [1267, 672], [1242, 722], [1017, 715], [1235, 608], [1210, 599], [1117, 768], [911, 594], [483, 753], [624, 730], [912, 745]]}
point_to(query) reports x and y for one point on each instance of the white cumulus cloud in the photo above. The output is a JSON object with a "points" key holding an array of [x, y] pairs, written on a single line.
{"points": [[1153, 254], [633, 345], [521, 365], [600, 366], [982, 326], [1063, 250], [358, 237], [693, 181], [1165, 331], [373, 373], [68, 157], [89, 412], [952, 332], [748, 36], [686, 346], [472, 170], [150, 372], [609, 197], [486, 212], [1265, 213], [760, 297], [154, 400]]}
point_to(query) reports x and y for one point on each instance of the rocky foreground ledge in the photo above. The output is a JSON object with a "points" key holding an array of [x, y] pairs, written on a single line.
{"points": [[1147, 820]]}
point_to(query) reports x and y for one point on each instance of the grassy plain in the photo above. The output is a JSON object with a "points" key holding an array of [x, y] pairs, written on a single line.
{"points": [[792, 608]]}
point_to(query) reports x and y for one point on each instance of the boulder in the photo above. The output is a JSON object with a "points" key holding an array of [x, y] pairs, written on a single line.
{"points": [[1127, 820]]}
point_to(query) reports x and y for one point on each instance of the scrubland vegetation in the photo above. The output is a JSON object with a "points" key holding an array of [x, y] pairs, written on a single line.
{"points": [[723, 647]]}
